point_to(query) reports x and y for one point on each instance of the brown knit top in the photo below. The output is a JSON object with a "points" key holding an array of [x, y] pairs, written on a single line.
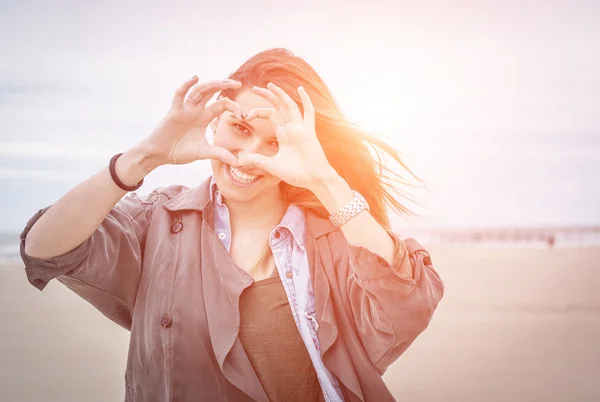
{"points": [[274, 345]]}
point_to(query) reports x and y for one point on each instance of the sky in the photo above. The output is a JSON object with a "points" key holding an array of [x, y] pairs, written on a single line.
{"points": [[495, 104]]}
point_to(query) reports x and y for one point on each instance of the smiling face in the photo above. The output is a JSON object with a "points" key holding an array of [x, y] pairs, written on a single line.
{"points": [[241, 138]]}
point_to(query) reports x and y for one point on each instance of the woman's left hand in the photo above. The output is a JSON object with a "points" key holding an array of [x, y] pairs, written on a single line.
{"points": [[300, 160]]}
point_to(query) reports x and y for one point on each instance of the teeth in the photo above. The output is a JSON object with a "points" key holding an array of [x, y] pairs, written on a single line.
{"points": [[240, 176]]}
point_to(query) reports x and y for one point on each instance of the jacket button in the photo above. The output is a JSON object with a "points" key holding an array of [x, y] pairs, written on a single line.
{"points": [[166, 321], [176, 228], [289, 274], [277, 235]]}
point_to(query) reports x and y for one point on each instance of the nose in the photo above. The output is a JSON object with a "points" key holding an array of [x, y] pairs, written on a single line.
{"points": [[253, 147]]}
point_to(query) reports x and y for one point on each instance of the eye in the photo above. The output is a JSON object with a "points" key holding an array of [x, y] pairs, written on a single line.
{"points": [[240, 128]]}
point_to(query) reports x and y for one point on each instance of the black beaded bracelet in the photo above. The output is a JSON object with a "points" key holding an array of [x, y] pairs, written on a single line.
{"points": [[118, 182]]}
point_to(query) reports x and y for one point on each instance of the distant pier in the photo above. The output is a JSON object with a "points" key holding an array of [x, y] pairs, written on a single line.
{"points": [[546, 235]]}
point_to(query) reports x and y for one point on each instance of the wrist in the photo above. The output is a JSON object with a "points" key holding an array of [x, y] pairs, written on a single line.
{"points": [[135, 164], [332, 191]]}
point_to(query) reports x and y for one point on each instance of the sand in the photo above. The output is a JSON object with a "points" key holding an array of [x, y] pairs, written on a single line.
{"points": [[515, 325]]}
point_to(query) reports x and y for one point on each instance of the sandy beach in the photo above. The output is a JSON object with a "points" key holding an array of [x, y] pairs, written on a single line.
{"points": [[515, 325]]}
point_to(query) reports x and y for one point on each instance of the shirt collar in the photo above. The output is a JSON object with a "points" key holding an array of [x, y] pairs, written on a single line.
{"points": [[294, 221], [214, 193], [295, 218]]}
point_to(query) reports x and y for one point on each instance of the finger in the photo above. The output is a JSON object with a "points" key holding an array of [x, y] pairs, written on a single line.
{"points": [[286, 99], [219, 107], [259, 161], [218, 153], [182, 90], [268, 114], [309, 109], [268, 95], [200, 94]]}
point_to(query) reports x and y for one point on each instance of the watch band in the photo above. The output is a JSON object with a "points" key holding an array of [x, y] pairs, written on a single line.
{"points": [[349, 211]]}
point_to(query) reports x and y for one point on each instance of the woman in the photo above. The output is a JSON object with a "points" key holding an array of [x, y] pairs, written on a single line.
{"points": [[277, 278]]}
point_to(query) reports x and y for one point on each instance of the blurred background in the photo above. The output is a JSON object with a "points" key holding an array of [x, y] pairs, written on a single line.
{"points": [[495, 104]]}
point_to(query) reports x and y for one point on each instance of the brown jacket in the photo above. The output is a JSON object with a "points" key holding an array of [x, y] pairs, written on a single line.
{"points": [[156, 267]]}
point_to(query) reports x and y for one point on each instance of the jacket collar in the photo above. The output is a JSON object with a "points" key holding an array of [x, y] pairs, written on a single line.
{"points": [[190, 199], [199, 197]]}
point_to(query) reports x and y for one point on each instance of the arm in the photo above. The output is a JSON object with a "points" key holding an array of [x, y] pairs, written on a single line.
{"points": [[388, 311], [362, 230], [175, 140], [76, 215], [92, 239], [103, 267], [392, 287]]}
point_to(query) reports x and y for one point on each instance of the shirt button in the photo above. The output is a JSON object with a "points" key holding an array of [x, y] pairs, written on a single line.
{"points": [[221, 235], [277, 235], [176, 228], [289, 274], [166, 321]]}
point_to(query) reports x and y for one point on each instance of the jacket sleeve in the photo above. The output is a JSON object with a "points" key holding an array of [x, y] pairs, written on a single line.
{"points": [[391, 309], [105, 269]]}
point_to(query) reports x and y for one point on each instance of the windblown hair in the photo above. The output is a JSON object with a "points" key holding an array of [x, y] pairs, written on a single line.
{"points": [[356, 155]]}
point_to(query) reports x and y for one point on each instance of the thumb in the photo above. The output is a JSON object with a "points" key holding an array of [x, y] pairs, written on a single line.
{"points": [[257, 160]]}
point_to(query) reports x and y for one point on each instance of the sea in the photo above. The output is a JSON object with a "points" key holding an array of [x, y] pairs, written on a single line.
{"points": [[513, 238], [9, 248]]}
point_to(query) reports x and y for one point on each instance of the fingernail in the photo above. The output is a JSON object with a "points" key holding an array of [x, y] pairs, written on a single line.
{"points": [[244, 115], [193, 78]]}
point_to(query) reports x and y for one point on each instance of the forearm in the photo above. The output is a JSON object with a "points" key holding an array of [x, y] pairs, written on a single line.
{"points": [[362, 230], [78, 213]]}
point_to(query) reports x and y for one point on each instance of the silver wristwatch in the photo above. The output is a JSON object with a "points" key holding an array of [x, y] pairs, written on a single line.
{"points": [[351, 209]]}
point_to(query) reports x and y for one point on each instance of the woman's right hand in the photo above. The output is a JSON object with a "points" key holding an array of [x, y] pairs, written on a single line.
{"points": [[180, 137]]}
